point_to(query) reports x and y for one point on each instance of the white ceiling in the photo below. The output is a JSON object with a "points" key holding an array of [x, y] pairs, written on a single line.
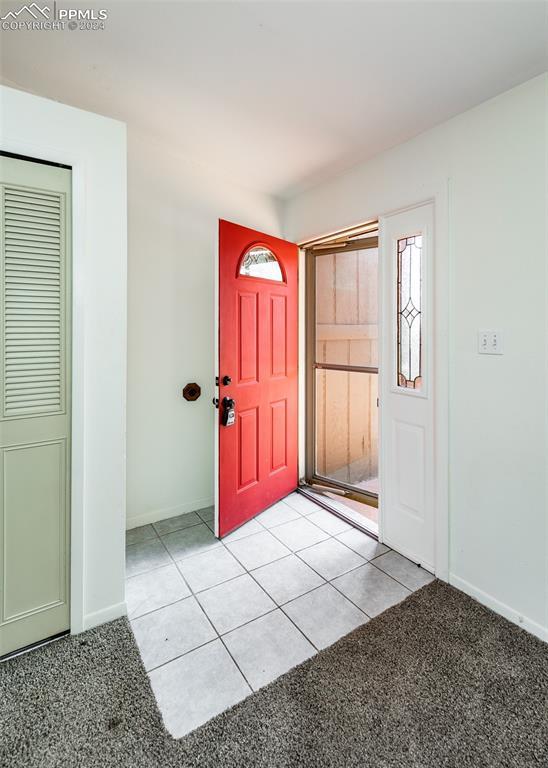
{"points": [[281, 95]]}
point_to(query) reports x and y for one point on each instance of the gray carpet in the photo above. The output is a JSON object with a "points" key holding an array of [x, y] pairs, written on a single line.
{"points": [[436, 681]]}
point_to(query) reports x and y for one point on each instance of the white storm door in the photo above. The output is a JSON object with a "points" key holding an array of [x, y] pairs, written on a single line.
{"points": [[407, 394]]}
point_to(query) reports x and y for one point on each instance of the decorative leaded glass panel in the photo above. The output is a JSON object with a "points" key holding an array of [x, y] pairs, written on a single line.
{"points": [[259, 261], [410, 312]]}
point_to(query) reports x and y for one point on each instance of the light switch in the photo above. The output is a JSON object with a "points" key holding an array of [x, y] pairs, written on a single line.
{"points": [[489, 342]]}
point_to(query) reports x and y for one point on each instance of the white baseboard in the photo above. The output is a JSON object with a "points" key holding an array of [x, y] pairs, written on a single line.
{"points": [[106, 614], [501, 608], [156, 515]]}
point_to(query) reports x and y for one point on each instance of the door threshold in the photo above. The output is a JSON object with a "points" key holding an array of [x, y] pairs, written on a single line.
{"points": [[328, 504], [33, 646]]}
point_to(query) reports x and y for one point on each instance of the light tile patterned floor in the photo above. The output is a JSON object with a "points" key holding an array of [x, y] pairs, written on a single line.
{"points": [[216, 620]]}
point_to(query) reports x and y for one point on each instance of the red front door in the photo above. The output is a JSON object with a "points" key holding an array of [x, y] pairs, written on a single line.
{"points": [[258, 360]]}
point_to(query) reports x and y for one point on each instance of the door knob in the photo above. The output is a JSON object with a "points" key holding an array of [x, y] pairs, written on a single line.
{"points": [[227, 380]]}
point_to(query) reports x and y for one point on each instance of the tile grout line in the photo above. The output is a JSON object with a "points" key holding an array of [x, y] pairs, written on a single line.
{"points": [[182, 577], [306, 517], [181, 655], [278, 607], [157, 533], [182, 528], [148, 570], [219, 637], [193, 554], [338, 590], [411, 590], [218, 584], [141, 541], [249, 621], [183, 514], [328, 536], [155, 610], [228, 630], [378, 543], [227, 546], [319, 509], [370, 562], [252, 690], [350, 570]]}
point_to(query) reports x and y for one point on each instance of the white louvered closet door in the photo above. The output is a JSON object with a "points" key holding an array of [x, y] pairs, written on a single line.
{"points": [[35, 303]]}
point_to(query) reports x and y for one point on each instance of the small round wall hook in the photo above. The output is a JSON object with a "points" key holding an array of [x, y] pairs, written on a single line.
{"points": [[192, 391]]}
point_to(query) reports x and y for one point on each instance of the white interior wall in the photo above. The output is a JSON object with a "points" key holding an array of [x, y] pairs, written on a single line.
{"points": [[174, 207], [95, 147], [492, 160]]}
